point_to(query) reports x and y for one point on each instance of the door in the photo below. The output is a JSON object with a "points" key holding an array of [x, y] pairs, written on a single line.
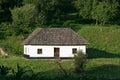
{"points": [[56, 52]]}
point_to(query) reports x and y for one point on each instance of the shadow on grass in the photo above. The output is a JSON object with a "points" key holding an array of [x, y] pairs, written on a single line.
{"points": [[104, 72], [58, 73], [95, 53]]}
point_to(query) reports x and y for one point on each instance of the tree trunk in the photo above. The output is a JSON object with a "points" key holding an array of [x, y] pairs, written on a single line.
{"points": [[97, 21]]}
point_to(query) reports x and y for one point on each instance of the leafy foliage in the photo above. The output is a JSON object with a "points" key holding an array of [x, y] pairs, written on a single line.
{"points": [[5, 5], [46, 9], [84, 7], [4, 70], [50, 12], [12, 45], [5, 30], [18, 75], [23, 18], [79, 62], [101, 11]]}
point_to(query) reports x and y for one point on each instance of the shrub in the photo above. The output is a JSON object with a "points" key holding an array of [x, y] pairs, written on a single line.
{"points": [[68, 23], [79, 62], [5, 30], [4, 70], [12, 45], [21, 71]]}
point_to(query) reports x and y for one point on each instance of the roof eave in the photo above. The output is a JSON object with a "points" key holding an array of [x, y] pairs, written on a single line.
{"points": [[58, 44]]}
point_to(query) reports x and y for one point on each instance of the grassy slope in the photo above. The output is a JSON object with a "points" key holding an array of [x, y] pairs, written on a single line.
{"points": [[103, 53], [102, 38], [103, 50]]}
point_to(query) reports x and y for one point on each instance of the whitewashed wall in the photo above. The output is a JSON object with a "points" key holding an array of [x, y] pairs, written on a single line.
{"points": [[48, 51]]}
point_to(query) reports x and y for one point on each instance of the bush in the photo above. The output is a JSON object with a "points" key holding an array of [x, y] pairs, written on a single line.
{"points": [[21, 71], [79, 62], [5, 30], [68, 23], [4, 70], [2, 35], [12, 45]]}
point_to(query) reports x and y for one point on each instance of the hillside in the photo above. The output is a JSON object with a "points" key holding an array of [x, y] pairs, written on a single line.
{"points": [[103, 56], [103, 41]]}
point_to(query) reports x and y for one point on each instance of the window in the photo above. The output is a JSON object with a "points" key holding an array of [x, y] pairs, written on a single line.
{"points": [[74, 50], [39, 51]]}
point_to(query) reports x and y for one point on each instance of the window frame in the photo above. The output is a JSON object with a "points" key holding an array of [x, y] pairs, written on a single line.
{"points": [[74, 50], [39, 51]]}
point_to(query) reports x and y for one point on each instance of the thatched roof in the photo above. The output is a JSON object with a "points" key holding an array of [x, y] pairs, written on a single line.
{"points": [[54, 36]]}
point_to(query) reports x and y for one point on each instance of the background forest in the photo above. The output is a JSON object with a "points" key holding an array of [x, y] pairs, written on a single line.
{"points": [[22, 16]]}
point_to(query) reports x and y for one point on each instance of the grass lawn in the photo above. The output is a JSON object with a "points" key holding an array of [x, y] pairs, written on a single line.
{"points": [[103, 61], [100, 68]]}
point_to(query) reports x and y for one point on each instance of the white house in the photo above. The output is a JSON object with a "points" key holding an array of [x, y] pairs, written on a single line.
{"points": [[53, 43]]}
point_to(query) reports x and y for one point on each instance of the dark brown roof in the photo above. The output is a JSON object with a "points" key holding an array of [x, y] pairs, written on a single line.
{"points": [[54, 36]]}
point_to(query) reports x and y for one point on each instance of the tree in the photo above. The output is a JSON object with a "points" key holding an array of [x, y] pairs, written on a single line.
{"points": [[84, 8], [51, 11], [23, 18], [5, 15], [103, 11], [43, 9], [5, 5]]}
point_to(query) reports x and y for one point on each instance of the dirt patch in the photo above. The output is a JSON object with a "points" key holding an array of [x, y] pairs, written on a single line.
{"points": [[2, 52]]}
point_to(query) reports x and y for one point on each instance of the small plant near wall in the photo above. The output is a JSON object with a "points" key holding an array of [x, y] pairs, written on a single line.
{"points": [[79, 62]]}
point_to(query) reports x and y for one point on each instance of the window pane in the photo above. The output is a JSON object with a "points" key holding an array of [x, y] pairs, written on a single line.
{"points": [[39, 51], [74, 50]]}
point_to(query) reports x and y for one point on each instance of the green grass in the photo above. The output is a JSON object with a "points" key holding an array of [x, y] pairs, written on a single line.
{"points": [[103, 41], [103, 56], [36, 64], [105, 68]]}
